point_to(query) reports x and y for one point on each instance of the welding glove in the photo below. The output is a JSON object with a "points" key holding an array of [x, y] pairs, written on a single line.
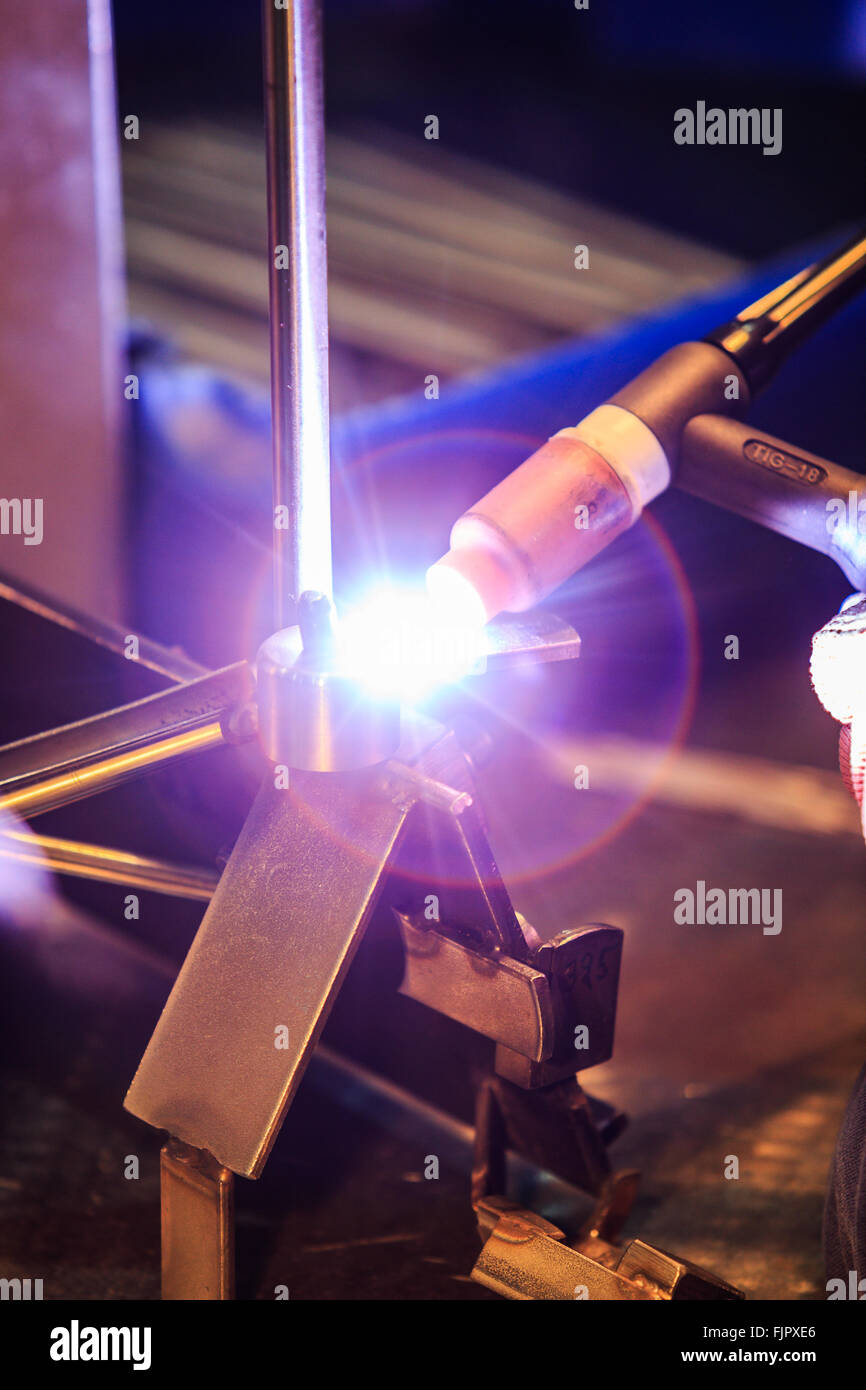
{"points": [[839, 679], [838, 672]]}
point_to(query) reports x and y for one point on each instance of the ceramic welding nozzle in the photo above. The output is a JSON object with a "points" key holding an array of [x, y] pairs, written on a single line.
{"points": [[584, 487]]}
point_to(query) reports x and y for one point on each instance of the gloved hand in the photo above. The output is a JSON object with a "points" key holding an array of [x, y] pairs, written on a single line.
{"points": [[839, 679], [838, 671]]}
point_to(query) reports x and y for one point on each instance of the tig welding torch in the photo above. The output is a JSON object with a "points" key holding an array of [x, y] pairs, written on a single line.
{"points": [[680, 421]]}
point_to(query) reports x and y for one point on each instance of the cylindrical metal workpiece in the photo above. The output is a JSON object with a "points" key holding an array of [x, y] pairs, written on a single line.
{"points": [[314, 717]]}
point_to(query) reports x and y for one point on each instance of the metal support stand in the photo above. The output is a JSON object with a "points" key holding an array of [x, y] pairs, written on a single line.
{"points": [[197, 1202]]}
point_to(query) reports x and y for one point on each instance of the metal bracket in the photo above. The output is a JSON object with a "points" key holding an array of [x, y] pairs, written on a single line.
{"points": [[528, 1258], [197, 1201], [549, 1015]]}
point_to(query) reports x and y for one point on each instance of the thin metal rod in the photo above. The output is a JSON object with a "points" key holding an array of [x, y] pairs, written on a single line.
{"points": [[81, 860], [298, 295]]}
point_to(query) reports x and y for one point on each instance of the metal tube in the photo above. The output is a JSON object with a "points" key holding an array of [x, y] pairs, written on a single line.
{"points": [[108, 865], [76, 760], [298, 294], [79, 782]]}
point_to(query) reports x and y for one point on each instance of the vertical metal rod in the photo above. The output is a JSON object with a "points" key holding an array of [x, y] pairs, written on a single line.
{"points": [[298, 282]]}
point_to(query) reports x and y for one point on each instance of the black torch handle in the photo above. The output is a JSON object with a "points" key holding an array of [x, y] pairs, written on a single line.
{"points": [[768, 331], [795, 493]]}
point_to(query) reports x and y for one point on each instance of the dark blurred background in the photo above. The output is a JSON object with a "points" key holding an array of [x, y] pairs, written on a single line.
{"points": [[580, 100]]}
